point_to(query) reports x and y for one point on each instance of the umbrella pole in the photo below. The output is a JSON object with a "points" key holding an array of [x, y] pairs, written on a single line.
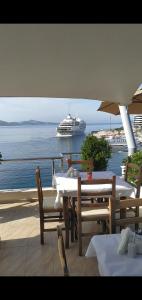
{"points": [[131, 143]]}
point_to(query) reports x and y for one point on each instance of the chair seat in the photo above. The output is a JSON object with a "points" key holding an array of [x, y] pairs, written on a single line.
{"points": [[48, 204], [99, 211], [95, 214], [53, 225], [117, 205]]}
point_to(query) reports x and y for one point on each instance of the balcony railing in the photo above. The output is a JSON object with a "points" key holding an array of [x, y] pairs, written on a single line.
{"points": [[20, 172]]}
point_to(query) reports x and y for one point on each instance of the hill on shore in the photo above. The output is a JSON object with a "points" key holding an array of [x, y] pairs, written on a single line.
{"points": [[30, 122]]}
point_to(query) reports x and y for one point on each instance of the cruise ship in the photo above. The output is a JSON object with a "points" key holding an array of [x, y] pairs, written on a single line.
{"points": [[70, 126]]}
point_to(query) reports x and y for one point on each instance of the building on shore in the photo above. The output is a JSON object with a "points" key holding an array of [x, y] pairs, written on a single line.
{"points": [[137, 123]]}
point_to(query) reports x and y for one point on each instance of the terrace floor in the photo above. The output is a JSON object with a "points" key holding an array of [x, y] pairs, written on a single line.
{"points": [[21, 253]]}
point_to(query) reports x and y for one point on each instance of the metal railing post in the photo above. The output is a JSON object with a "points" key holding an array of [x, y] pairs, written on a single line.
{"points": [[53, 172], [62, 162]]}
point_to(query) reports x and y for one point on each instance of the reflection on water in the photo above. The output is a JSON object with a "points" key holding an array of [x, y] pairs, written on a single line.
{"points": [[70, 144]]}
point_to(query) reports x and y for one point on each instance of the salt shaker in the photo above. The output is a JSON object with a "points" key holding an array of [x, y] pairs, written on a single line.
{"points": [[72, 174], [75, 172], [131, 249]]}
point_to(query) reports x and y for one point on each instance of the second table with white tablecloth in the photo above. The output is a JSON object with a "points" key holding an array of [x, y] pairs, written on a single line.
{"points": [[67, 186], [110, 263]]}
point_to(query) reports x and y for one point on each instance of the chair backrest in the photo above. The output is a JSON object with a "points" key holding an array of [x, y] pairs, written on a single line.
{"points": [[39, 188], [61, 250], [126, 203], [110, 194], [133, 175], [87, 163], [86, 192]]}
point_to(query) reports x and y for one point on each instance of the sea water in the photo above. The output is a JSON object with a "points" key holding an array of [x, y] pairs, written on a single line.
{"points": [[41, 141]]}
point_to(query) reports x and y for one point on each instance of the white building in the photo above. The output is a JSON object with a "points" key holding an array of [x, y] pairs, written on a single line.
{"points": [[137, 121]]}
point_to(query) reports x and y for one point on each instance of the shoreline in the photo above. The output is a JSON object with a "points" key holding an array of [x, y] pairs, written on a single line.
{"points": [[109, 133], [117, 136]]}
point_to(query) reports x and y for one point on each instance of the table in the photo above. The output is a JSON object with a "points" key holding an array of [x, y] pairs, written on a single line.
{"points": [[67, 186], [104, 247]]}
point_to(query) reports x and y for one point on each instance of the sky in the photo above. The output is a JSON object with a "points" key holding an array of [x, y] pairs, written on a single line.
{"points": [[53, 110]]}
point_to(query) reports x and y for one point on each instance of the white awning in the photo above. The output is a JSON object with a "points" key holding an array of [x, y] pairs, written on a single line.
{"points": [[91, 61]]}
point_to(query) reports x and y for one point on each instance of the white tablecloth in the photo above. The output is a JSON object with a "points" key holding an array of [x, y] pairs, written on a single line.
{"points": [[109, 262], [68, 186]]}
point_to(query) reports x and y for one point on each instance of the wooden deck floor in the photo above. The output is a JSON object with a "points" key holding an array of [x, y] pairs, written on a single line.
{"points": [[21, 253]]}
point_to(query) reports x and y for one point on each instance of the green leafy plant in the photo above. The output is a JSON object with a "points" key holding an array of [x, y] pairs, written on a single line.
{"points": [[97, 149], [135, 158]]}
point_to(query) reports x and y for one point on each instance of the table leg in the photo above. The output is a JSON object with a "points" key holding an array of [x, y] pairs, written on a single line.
{"points": [[122, 216], [66, 220]]}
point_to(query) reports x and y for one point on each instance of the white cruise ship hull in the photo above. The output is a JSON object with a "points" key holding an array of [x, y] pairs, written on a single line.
{"points": [[70, 127], [69, 134]]}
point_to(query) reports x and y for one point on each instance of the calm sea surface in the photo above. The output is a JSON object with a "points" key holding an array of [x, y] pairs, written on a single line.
{"points": [[41, 141]]}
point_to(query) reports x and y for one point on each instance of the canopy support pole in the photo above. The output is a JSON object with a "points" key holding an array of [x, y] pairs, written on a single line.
{"points": [[130, 139]]}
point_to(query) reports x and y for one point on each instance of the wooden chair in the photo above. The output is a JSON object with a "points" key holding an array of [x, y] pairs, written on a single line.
{"points": [[133, 175], [125, 220], [93, 211], [112, 263], [61, 250], [87, 163], [46, 209]]}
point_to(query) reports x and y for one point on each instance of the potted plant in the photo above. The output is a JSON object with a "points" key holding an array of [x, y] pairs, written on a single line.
{"points": [[96, 149]]}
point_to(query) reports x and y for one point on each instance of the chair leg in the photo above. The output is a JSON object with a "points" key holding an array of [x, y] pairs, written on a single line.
{"points": [[80, 245], [73, 218], [104, 226], [80, 238], [42, 232], [72, 225], [42, 238], [60, 216], [137, 215], [122, 216], [76, 228]]}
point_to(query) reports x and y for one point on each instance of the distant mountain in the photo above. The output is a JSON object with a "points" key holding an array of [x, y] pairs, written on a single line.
{"points": [[30, 122]]}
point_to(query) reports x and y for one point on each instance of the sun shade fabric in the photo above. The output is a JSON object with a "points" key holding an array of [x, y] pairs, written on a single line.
{"points": [[92, 61], [113, 108]]}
